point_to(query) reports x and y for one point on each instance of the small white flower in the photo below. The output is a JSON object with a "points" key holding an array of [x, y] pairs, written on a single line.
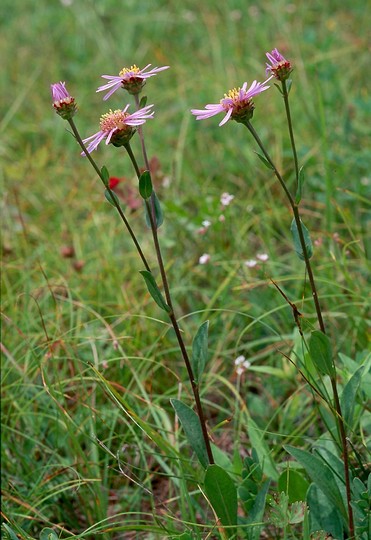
{"points": [[226, 199], [251, 263], [204, 259], [241, 364], [239, 360], [263, 257], [206, 223]]}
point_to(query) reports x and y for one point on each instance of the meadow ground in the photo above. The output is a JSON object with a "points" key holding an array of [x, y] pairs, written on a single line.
{"points": [[90, 442]]}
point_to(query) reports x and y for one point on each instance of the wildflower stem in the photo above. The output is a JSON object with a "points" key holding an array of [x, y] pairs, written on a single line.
{"points": [[150, 210], [113, 198], [337, 406], [298, 222], [291, 131]]}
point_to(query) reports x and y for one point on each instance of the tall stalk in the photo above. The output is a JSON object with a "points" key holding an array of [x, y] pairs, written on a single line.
{"points": [[150, 206], [296, 212]]}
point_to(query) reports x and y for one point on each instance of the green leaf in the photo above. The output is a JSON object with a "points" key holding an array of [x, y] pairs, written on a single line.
{"points": [[105, 175], [321, 475], [154, 291], [142, 102], [323, 514], [256, 513], [10, 533], [199, 351], [348, 397], [288, 85], [222, 494], [112, 197], [297, 243], [278, 88], [192, 428], [264, 160], [48, 534], [145, 185], [320, 351], [159, 216], [294, 484], [300, 185]]}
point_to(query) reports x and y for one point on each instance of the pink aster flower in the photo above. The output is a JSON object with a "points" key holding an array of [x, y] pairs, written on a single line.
{"points": [[237, 104], [63, 103], [117, 127], [279, 67], [131, 79]]}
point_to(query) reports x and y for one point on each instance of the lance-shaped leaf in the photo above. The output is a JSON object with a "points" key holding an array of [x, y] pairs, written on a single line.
{"points": [[222, 494], [265, 161], [321, 474], [320, 351], [199, 351], [112, 197], [159, 216], [105, 175], [192, 428], [348, 397], [300, 186], [145, 185], [154, 291], [297, 243]]}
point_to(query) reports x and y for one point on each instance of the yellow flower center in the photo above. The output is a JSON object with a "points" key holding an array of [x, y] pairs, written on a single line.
{"points": [[113, 119], [233, 94], [133, 69]]}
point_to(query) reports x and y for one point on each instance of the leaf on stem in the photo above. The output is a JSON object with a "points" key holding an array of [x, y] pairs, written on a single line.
{"points": [[159, 216], [105, 175], [154, 291], [111, 197], [142, 102], [300, 186], [222, 494], [320, 351], [192, 428], [199, 351], [264, 160], [296, 237], [145, 185]]}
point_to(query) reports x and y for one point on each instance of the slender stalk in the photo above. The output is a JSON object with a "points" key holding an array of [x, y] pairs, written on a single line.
{"points": [[291, 132], [338, 411], [339, 416], [174, 322], [113, 198], [295, 210]]}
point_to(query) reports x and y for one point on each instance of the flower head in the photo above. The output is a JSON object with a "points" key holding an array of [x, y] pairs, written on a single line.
{"points": [[226, 199], [204, 259], [279, 67], [131, 79], [241, 364], [237, 104], [63, 103], [118, 126]]}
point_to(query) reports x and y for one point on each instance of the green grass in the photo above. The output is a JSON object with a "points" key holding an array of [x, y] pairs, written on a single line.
{"points": [[90, 445]]}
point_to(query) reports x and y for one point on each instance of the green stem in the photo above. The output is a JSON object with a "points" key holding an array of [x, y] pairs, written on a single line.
{"points": [[113, 198], [338, 412], [291, 132], [150, 210], [296, 213]]}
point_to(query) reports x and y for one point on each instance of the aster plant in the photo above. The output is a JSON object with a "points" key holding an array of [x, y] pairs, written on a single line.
{"points": [[117, 128]]}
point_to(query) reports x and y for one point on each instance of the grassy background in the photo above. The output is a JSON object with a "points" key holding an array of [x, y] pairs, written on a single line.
{"points": [[63, 315]]}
